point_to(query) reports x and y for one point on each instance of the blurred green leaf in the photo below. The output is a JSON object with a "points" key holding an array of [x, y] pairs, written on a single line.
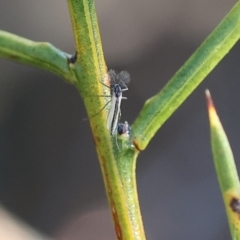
{"points": [[39, 54], [160, 107], [226, 170]]}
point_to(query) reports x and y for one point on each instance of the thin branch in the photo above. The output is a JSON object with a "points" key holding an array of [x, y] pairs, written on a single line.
{"points": [[161, 106], [39, 54], [119, 179]]}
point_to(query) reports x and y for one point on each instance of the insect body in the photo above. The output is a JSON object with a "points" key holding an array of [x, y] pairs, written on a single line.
{"points": [[117, 86]]}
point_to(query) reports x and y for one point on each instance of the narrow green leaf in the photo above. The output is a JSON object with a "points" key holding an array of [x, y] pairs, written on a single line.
{"points": [[226, 170], [160, 107], [39, 54]]}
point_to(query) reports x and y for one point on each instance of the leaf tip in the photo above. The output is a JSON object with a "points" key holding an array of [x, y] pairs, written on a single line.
{"points": [[209, 99], [211, 109]]}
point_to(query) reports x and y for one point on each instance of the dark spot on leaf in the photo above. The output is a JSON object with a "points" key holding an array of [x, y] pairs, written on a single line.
{"points": [[235, 205], [14, 57]]}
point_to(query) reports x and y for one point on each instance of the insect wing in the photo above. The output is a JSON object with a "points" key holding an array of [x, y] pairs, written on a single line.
{"points": [[111, 112], [124, 77], [116, 116], [112, 76]]}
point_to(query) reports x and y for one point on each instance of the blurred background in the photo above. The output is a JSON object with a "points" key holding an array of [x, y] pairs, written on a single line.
{"points": [[50, 176]]}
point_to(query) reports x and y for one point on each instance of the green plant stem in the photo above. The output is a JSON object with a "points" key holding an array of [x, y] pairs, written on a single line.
{"points": [[90, 69], [161, 106], [39, 54]]}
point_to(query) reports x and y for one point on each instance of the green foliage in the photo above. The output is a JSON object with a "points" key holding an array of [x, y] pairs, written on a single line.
{"points": [[118, 165], [226, 170]]}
